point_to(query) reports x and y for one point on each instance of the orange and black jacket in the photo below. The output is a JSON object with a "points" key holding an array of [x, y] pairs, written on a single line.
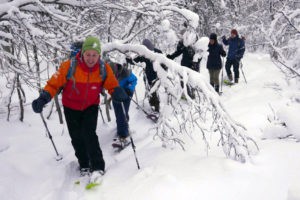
{"points": [[83, 89]]}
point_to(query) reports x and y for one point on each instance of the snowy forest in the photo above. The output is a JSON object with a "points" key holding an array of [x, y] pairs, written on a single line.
{"points": [[35, 38]]}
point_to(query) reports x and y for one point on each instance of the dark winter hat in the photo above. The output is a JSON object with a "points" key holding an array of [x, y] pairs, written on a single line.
{"points": [[75, 48], [234, 31], [91, 43], [147, 43], [116, 67], [213, 36]]}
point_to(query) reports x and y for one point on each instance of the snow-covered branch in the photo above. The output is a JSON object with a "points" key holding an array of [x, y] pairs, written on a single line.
{"points": [[205, 113]]}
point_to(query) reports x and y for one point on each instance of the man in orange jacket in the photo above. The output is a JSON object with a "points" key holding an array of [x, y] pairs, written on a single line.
{"points": [[80, 99]]}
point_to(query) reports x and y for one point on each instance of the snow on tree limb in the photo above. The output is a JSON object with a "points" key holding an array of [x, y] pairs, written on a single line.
{"points": [[204, 113], [191, 17]]}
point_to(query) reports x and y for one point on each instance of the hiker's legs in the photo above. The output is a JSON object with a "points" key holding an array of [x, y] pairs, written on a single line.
{"points": [[228, 64], [122, 126], [88, 130], [236, 65], [73, 119]]}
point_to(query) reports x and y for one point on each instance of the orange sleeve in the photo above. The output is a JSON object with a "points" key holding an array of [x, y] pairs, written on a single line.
{"points": [[110, 82], [58, 79]]}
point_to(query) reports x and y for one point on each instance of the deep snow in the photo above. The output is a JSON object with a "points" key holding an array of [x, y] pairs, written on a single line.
{"points": [[29, 170]]}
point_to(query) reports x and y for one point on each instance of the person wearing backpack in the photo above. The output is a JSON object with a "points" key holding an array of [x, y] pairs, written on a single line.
{"points": [[128, 81], [80, 99], [214, 62], [185, 47], [151, 74], [235, 54]]}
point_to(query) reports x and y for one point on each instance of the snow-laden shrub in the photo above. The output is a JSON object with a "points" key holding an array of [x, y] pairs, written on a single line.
{"points": [[204, 114]]}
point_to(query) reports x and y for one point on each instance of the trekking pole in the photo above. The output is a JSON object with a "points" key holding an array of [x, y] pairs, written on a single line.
{"points": [[107, 107], [243, 72], [58, 156], [101, 114], [135, 94], [131, 140], [221, 88], [154, 118]]}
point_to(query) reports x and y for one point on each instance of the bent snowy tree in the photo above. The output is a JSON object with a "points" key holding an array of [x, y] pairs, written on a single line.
{"points": [[204, 114]]}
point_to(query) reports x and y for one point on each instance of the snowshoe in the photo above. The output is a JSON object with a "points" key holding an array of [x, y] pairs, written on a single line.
{"points": [[153, 116], [84, 171], [228, 82], [95, 179], [120, 143]]}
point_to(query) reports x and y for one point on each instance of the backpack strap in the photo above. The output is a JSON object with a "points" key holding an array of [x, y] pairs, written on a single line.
{"points": [[72, 68], [103, 73], [73, 65]]}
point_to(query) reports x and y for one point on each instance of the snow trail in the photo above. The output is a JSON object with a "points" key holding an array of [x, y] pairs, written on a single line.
{"points": [[30, 172]]}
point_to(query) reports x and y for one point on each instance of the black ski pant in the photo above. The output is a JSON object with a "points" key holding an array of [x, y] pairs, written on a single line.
{"points": [[235, 63], [153, 97], [154, 101], [82, 129]]}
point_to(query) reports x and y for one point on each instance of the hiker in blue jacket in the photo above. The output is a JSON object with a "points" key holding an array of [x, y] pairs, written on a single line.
{"points": [[235, 54], [127, 80]]}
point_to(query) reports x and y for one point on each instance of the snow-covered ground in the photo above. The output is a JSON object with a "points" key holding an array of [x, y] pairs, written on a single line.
{"points": [[29, 171]]}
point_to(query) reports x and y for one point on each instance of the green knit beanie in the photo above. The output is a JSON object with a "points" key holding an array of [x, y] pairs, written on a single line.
{"points": [[91, 43]]}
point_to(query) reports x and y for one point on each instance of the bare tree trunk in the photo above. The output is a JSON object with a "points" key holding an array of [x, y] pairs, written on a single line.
{"points": [[59, 111], [58, 108], [51, 111], [20, 95], [9, 98], [37, 64], [27, 56]]}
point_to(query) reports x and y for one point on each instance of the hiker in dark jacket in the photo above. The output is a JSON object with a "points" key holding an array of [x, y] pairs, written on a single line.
{"points": [[235, 54], [214, 63], [187, 54], [127, 80], [151, 75]]}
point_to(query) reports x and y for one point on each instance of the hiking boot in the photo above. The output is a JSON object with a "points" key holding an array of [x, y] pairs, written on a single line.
{"points": [[217, 88], [230, 77], [84, 171], [97, 176], [236, 80], [122, 142]]}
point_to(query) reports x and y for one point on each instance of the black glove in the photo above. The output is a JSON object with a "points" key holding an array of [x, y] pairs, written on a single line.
{"points": [[129, 92], [119, 95], [128, 60], [195, 66], [169, 56], [223, 53], [38, 104], [223, 37], [238, 58]]}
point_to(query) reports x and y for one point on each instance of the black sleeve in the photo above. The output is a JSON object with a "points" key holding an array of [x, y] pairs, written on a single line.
{"points": [[129, 61], [242, 48], [139, 59], [222, 52], [178, 51], [157, 50]]}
